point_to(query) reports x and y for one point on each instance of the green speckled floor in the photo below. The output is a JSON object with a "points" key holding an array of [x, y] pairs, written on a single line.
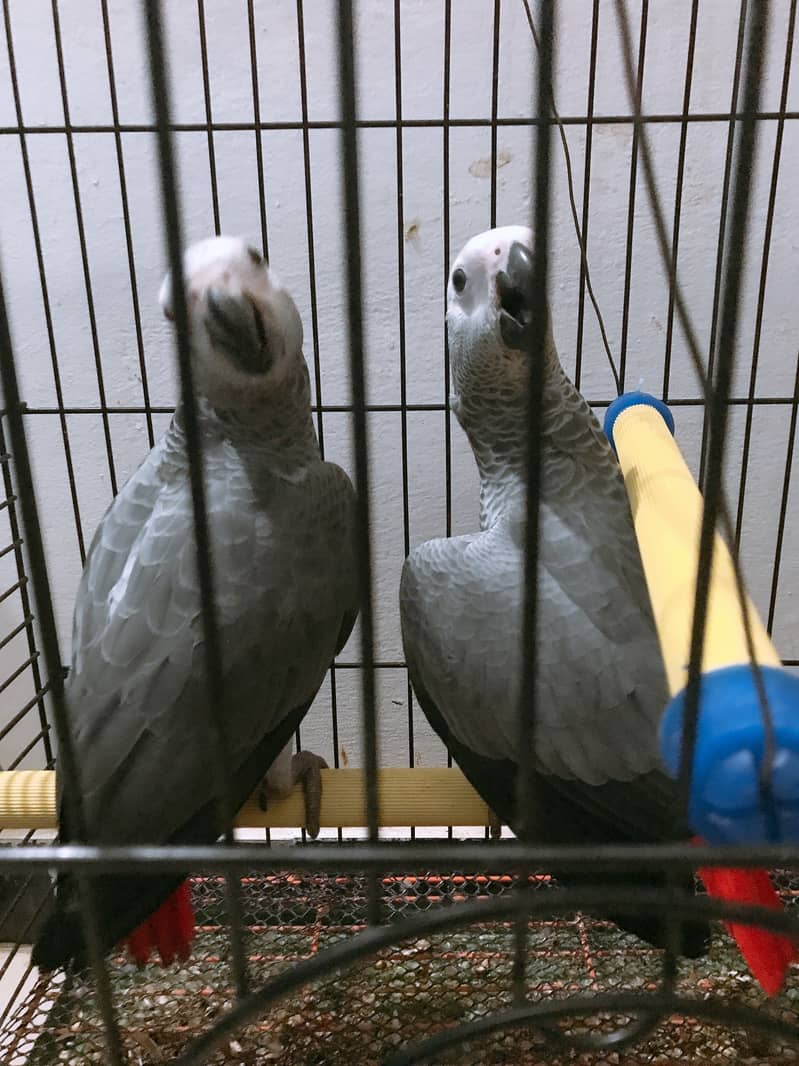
{"points": [[405, 993]]}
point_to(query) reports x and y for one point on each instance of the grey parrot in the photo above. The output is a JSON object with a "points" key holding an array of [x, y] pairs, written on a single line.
{"points": [[281, 526], [595, 771]]}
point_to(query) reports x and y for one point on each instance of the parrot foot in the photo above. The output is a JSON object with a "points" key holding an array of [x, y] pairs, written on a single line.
{"points": [[494, 825], [287, 772], [307, 767]]}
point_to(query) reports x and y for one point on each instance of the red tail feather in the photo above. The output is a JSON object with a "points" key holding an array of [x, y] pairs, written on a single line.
{"points": [[170, 930], [768, 955]]}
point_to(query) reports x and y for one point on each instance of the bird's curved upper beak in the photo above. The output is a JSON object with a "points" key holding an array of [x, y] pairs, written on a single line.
{"points": [[515, 297], [235, 325]]}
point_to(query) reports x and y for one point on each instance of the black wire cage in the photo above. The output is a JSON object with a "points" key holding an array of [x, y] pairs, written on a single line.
{"points": [[662, 134]]}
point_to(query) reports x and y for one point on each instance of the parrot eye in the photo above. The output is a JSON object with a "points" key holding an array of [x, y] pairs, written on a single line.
{"points": [[255, 255], [459, 280]]}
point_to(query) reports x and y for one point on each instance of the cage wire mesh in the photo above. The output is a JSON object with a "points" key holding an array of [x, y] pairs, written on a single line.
{"points": [[443, 106]]}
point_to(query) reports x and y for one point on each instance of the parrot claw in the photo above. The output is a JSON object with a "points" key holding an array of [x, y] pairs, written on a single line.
{"points": [[306, 767]]}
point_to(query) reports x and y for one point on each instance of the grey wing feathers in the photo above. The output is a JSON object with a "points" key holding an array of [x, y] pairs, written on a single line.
{"points": [[600, 688], [137, 692]]}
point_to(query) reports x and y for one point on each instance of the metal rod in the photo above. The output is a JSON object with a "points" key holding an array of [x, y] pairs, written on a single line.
{"points": [[213, 657], [123, 192], [84, 255], [628, 259], [427, 855], [351, 197], [589, 143], [21, 131], [526, 711], [761, 293], [675, 238], [725, 195]]}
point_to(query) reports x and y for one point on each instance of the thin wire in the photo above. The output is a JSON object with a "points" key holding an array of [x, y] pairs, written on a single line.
{"points": [[84, 255], [256, 114], [675, 240], [123, 192], [628, 264], [37, 243], [350, 190], [589, 143], [213, 659], [664, 118], [725, 195], [541, 119], [761, 295], [208, 115], [786, 490], [494, 109]]}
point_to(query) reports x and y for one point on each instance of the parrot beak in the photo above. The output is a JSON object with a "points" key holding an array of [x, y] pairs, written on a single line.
{"points": [[236, 327], [514, 293]]}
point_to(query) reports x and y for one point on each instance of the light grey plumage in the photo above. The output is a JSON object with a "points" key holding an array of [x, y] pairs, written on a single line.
{"points": [[601, 688], [280, 523]]}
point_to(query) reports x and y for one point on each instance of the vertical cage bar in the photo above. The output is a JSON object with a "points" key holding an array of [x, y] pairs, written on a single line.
{"points": [[351, 196], [256, 113], [447, 252], [761, 293], [734, 257], [675, 239], [123, 192], [628, 263], [526, 712], [447, 238], [317, 361], [68, 764], [24, 596], [494, 107], [589, 143], [786, 491], [725, 194], [213, 658], [209, 122], [48, 317], [84, 254], [406, 518]]}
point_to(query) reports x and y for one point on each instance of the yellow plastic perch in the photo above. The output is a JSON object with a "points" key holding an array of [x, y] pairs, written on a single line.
{"points": [[667, 511], [419, 797], [728, 799]]}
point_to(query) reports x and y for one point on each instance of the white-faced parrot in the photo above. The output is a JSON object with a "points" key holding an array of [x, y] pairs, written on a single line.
{"points": [[281, 526], [595, 770]]}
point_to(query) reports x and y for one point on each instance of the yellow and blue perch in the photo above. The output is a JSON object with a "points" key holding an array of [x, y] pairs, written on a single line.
{"points": [[728, 802]]}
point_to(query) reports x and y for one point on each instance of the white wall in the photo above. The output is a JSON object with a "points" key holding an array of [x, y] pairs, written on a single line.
{"points": [[421, 234]]}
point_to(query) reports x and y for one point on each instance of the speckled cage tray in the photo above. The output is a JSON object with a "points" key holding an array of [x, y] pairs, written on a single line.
{"points": [[403, 994]]}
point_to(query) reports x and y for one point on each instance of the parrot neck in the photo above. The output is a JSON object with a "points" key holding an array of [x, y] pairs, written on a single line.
{"points": [[495, 417], [277, 432]]}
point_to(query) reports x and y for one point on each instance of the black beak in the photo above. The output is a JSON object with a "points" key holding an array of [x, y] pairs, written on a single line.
{"points": [[516, 303], [235, 325]]}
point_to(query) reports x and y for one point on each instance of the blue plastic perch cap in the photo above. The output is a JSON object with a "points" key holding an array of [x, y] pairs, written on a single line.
{"points": [[635, 399], [727, 803]]}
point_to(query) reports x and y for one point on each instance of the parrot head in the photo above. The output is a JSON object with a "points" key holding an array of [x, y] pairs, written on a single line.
{"points": [[490, 309], [246, 333]]}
